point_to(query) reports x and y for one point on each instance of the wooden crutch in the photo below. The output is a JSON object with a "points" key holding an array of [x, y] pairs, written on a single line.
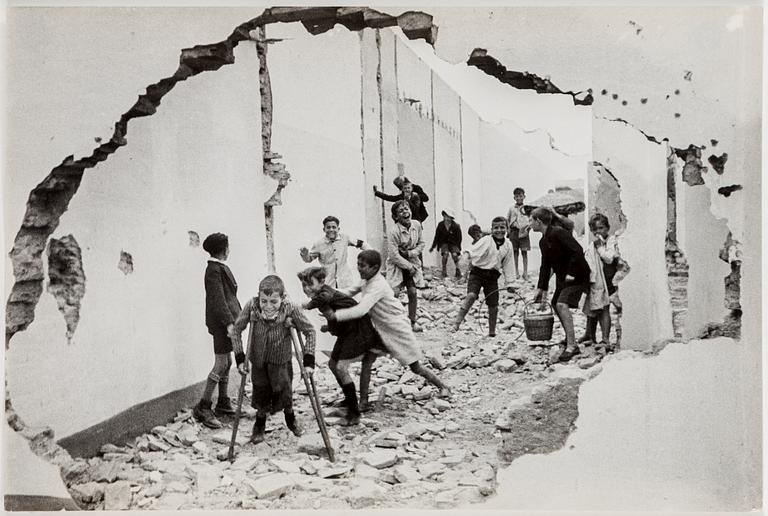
{"points": [[240, 395], [314, 399]]}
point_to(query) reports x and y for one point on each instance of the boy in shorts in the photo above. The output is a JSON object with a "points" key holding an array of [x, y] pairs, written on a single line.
{"points": [[519, 226], [490, 257], [448, 240]]}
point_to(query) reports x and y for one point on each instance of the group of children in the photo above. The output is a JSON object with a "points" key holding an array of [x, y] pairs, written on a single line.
{"points": [[377, 323]]}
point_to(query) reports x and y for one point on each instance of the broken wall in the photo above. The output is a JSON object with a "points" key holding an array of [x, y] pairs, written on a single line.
{"points": [[640, 168], [194, 165]]}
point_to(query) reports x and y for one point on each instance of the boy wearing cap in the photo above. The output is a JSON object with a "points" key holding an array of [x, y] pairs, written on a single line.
{"points": [[448, 240]]}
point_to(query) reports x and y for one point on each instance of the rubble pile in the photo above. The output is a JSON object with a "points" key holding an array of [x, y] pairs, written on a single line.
{"points": [[412, 450]]}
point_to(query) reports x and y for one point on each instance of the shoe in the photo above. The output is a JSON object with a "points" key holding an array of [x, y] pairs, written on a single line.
{"points": [[491, 335], [416, 328], [257, 436], [567, 354], [293, 425], [224, 407], [203, 413], [352, 419]]}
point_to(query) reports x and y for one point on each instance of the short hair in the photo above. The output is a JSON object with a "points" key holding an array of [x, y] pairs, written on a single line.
{"points": [[396, 206], [307, 274], [598, 217], [370, 257], [215, 243], [330, 218], [474, 228], [542, 215], [272, 284], [398, 181], [518, 190], [499, 219]]}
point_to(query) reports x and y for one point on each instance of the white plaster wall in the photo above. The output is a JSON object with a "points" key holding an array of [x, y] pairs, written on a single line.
{"points": [[194, 165], [640, 168], [472, 165]]}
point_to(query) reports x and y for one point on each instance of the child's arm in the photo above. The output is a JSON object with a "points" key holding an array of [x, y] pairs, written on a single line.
{"points": [[214, 285], [351, 291], [302, 324], [386, 197], [416, 251], [237, 329], [508, 266], [393, 250], [479, 248], [309, 254], [370, 298], [438, 237]]}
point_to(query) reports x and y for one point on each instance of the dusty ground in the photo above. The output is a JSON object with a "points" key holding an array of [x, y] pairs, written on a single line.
{"points": [[414, 450]]}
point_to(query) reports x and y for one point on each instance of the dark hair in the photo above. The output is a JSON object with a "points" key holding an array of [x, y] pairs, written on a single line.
{"points": [[370, 257], [499, 219], [542, 215], [330, 218], [397, 205], [272, 284], [518, 190], [215, 243], [599, 217], [474, 228], [307, 274]]}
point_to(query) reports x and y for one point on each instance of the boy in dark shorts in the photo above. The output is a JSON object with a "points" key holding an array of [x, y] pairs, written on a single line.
{"points": [[519, 226], [448, 239], [563, 255], [490, 257], [272, 316], [221, 309], [354, 338]]}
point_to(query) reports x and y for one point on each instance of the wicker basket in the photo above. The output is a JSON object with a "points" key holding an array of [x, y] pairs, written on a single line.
{"points": [[538, 326]]}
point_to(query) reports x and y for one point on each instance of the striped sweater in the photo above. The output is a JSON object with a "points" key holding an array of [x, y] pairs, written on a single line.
{"points": [[271, 340]]}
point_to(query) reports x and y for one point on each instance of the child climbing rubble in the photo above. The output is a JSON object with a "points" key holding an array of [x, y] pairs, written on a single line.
{"points": [[404, 267], [389, 317], [271, 315], [221, 309], [354, 338], [604, 261], [490, 257]]}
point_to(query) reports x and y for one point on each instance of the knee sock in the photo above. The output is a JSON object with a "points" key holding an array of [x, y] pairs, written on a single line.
{"points": [[493, 315], [223, 387], [210, 385], [350, 398]]}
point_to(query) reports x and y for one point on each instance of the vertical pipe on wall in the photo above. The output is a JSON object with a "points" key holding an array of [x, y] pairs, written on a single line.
{"points": [[265, 91]]}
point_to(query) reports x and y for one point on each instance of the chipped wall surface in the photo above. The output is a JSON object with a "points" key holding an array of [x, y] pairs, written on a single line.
{"points": [[682, 452], [639, 166], [182, 166]]}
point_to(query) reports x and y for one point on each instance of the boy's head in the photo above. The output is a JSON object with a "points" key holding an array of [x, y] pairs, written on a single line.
{"points": [[217, 245], [499, 228], [519, 195], [448, 216], [399, 180], [407, 189], [312, 280], [368, 263], [331, 227], [540, 218], [401, 212], [271, 296], [475, 232], [599, 225]]}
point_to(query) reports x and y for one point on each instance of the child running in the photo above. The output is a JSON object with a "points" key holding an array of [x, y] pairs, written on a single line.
{"points": [[602, 257], [271, 316], [490, 257], [354, 338], [389, 317]]}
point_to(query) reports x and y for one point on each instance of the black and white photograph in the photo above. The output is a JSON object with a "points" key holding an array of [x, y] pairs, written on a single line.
{"points": [[366, 258]]}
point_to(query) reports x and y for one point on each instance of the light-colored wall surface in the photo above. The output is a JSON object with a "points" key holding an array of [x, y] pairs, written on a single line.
{"points": [[639, 166], [194, 165]]}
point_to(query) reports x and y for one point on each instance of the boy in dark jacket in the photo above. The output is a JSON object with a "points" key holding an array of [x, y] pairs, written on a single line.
{"points": [[410, 192], [448, 239], [221, 309], [563, 255]]}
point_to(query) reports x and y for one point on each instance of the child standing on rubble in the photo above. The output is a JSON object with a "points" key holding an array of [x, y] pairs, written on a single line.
{"points": [[490, 257], [389, 317], [331, 252], [519, 226], [354, 338], [404, 246], [271, 316], [221, 309], [448, 240], [603, 258]]}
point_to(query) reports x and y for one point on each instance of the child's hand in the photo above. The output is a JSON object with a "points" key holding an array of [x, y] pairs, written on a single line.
{"points": [[309, 370], [375, 189], [304, 252], [324, 328], [243, 368], [231, 331]]}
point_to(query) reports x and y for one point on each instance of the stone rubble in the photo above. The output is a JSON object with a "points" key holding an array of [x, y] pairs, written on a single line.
{"points": [[414, 450]]}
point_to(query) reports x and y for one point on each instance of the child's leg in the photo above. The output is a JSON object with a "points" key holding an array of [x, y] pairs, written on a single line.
{"points": [[418, 368], [525, 263], [491, 291], [566, 320], [456, 257], [260, 399], [590, 330], [224, 405], [365, 378], [348, 388], [605, 323], [516, 254], [444, 256], [413, 301], [465, 306]]}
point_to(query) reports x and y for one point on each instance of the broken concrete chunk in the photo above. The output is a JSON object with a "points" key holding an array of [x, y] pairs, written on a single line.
{"points": [[244, 463], [453, 457], [405, 473], [442, 405], [423, 394], [414, 429], [90, 492], [200, 447], [117, 496], [156, 444], [430, 469], [285, 466], [365, 471], [365, 493], [409, 390], [460, 359], [437, 362], [271, 486], [506, 365], [207, 477], [308, 468], [334, 471], [380, 459], [106, 472], [312, 444]]}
